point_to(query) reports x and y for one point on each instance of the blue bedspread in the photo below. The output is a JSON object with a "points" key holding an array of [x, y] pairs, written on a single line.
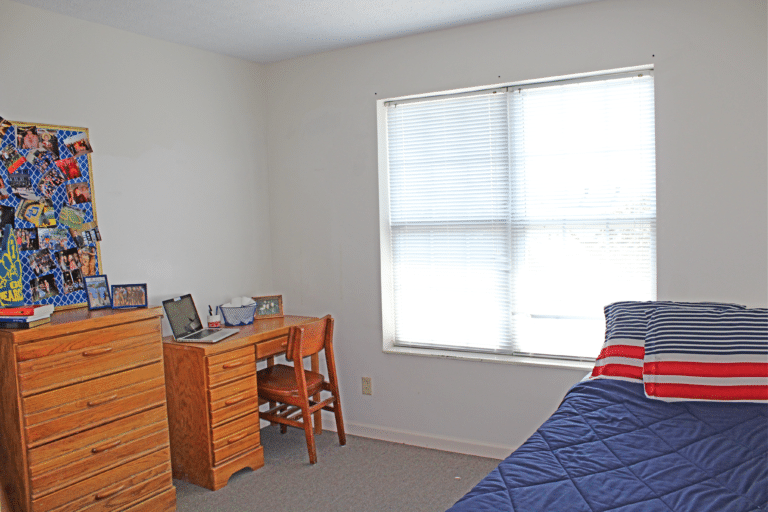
{"points": [[608, 447]]}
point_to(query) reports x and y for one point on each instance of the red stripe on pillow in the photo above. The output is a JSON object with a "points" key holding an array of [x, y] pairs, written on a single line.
{"points": [[707, 369], [629, 351], [618, 370], [704, 392]]}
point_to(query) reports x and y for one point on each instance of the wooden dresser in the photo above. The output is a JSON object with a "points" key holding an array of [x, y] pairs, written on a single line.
{"points": [[84, 424], [213, 403]]}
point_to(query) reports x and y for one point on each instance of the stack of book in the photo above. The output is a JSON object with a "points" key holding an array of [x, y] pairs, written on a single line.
{"points": [[25, 317]]}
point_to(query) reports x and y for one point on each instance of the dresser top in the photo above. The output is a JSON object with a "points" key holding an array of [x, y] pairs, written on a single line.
{"points": [[71, 321]]}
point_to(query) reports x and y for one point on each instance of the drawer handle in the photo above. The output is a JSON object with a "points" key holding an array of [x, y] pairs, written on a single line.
{"points": [[237, 438], [101, 401], [235, 364], [106, 447], [233, 401], [111, 492], [97, 351]]}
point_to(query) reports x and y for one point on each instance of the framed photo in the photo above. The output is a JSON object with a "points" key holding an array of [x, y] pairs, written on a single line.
{"points": [[129, 296], [97, 292], [268, 307]]}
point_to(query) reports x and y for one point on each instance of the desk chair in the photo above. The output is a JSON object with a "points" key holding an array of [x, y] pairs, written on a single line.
{"points": [[290, 388]]}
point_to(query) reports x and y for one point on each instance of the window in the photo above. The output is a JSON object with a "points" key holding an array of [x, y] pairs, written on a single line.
{"points": [[511, 216]]}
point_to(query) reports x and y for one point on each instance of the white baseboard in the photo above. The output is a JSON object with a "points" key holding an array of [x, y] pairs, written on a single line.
{"points": [[434, 442]]}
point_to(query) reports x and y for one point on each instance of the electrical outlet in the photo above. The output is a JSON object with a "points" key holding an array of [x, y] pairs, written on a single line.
{"points": [[367, 389]]}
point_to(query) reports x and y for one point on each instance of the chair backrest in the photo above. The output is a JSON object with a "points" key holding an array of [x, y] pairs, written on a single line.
{"points": [[308, 339]]}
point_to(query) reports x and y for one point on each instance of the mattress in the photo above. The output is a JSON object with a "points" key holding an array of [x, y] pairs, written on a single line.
{"points": [[608, 447]]}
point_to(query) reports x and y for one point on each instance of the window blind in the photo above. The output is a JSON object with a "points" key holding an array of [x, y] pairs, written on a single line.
{"points": [[516, 214]]}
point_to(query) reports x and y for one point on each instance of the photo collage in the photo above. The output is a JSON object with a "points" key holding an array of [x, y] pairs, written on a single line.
{"points": [[46, 195]]}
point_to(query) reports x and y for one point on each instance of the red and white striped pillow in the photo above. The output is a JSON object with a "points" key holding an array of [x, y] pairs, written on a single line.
{"points": [[707, 354], [621, 357], [626, 324]]}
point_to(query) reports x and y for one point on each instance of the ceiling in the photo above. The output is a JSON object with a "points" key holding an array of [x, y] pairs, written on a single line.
{"points": [[271, 30]]}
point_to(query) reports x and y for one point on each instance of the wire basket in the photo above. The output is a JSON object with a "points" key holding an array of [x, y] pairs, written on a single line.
{"points": [[234, 316]]}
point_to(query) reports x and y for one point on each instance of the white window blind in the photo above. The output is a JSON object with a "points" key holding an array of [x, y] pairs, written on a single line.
{"points": [[516, 214]]}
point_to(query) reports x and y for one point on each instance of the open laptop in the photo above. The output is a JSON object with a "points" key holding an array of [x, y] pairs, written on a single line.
{"points": [[186, 325]]}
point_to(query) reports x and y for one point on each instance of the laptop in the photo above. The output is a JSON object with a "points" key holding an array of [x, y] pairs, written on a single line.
{"points": [[186, 325]]}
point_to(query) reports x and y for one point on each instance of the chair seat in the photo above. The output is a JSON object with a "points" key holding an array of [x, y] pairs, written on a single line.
{"points": [[279, 381]]}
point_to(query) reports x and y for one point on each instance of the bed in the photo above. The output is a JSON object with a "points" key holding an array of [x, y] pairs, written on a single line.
{"points": [[612, 447]]}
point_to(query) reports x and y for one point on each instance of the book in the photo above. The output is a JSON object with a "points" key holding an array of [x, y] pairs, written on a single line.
{"points": [[34, 310], [24, 319], [24, 325]]}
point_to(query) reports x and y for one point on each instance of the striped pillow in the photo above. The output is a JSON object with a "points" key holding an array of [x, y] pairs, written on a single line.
{"points": [[621, 357], [711, 355]]}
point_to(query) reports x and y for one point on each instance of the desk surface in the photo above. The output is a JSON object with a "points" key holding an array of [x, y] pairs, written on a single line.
{"points": [[259, 330]]}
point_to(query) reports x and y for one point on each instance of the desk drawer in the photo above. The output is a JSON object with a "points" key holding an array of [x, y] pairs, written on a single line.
{"points": [[230, 365], [271, 347], [219, 394], [114, 489], [55, 465], [45, 373], [239, 443], [235, 437], [234, 407], [62, 411]]}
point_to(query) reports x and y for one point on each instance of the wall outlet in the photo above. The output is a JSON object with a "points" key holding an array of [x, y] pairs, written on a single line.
{"points": [[367, 389]]}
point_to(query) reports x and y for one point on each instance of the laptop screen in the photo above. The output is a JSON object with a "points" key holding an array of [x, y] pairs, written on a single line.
{"points": [[182, 315]]}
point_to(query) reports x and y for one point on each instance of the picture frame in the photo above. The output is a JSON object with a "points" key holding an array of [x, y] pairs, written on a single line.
{"points": [[129, 296], [269, 306], [97, 291]]}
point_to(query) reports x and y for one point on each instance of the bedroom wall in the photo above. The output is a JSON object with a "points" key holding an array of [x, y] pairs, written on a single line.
{"points": [[179, 149], [710, 61]]}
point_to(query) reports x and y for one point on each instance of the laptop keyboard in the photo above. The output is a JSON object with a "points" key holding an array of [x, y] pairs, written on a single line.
{"points": [[201, 334]]}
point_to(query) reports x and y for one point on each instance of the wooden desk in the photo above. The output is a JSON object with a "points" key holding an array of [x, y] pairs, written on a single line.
{"points": [[213, 404]]}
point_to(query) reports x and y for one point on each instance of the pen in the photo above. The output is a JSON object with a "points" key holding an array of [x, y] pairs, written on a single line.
{"points": [[210, 311]]}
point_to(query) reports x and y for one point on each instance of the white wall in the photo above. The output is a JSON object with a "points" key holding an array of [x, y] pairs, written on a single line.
{"points": [[710, 61], [179, 149]]}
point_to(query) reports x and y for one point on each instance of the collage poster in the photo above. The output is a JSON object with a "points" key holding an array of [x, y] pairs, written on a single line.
{"points": [[47, 197]]}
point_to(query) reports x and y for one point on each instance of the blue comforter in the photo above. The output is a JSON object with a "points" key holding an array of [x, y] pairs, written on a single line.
{"points": [[608, 447]]}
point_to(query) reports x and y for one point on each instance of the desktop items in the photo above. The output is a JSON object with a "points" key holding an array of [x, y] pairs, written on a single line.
{"points": [[186, 324], [238, 311]]}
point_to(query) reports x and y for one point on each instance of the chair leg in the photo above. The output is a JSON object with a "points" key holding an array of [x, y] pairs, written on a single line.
{"points": [[283, 428], [339, 421], [310, 435]]}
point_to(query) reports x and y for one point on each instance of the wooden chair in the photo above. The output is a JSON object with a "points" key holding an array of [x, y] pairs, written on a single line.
{"points": [[295, 391]]}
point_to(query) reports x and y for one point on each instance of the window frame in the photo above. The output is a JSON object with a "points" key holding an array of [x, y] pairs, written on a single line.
{"points": [[387, 267]]}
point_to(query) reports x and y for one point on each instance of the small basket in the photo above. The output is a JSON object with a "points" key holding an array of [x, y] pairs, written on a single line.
{"points": [[234, 316]]}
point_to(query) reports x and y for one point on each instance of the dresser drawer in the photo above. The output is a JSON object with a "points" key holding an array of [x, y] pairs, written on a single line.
{"points": [[86, 339], [73, 408], [71, 459], [230, 365], [235, 437], [46, 372], [271, 347], [115, 489]]}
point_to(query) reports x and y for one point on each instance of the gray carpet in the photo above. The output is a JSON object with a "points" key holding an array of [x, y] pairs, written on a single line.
{"points": [[366, 475]]}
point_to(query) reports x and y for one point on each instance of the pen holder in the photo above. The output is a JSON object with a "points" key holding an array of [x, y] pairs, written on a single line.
{"points": [[214, 321], [234, 316]]}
